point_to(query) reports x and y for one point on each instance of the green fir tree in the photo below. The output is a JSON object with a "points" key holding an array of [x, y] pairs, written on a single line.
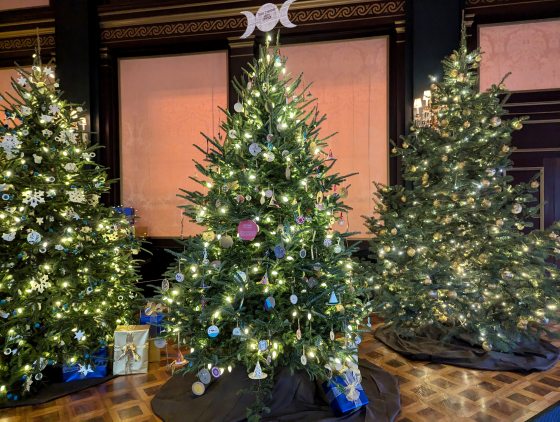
{"points": [[67, 275], [451, 249], [269, 272]]}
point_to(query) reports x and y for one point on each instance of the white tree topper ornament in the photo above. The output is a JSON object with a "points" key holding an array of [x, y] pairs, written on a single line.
{"points": [[267, 18]]}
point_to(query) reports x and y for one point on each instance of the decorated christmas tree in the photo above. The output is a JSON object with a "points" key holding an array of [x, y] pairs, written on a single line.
{"points": [[268, 283], [66, 270], [452, 250]]}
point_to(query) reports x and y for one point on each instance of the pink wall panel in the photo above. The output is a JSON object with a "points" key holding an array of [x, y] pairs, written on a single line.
{"points": [[21, 4], [165, 103], [6, 87], [531, 51], [350, 81]]}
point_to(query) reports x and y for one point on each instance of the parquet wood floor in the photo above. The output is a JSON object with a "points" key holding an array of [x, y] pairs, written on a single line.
{"points": [[429, 393]]}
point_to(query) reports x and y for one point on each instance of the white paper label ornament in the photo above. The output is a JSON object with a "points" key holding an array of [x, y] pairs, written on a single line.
{"points": [[238, 107], [267, 17], [257, 374], [298, 334], [213, 331], [293, 299], [232, 134], [236, 331], [302, 253], [179, 277], [357, 340], [303, 360], [33, 237], [331, 335]]}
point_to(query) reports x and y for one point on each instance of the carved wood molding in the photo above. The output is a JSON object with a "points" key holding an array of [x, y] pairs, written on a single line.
{"points": [[25, 43], [220, 24]]}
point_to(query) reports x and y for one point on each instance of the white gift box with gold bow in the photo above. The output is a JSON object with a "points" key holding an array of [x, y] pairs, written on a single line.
{"points": [[131, 349]]}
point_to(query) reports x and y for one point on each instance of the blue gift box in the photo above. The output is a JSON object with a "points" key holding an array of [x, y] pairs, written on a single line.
{"points": [[155, 321], [97, 369], [127, 212], [338, 387]]}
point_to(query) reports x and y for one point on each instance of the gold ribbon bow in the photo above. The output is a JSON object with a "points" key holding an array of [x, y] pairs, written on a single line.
{"points": [[129, 352]]}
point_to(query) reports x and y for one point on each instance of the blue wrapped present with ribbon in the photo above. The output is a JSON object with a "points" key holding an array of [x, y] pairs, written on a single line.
{"points": [[128, 212], [345, 393], [81, 371], [153, 319]]}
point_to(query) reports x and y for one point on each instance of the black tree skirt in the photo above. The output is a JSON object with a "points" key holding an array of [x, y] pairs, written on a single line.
{"points": [[295, 398], [537, 356], [55, 391]]}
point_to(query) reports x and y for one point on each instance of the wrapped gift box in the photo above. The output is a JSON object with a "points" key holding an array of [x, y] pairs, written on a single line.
{"points": [[345, 393], [131, 349], [155, 321], [127, 212], [97, 369]]}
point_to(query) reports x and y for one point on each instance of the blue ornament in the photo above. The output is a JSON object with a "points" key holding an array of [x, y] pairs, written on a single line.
{"points": [[37, 325], [269, 304], [6, 197], [279, 251]]}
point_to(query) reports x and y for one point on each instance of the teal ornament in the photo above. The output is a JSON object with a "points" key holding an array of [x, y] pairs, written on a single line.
{"points": [[269, 304]]}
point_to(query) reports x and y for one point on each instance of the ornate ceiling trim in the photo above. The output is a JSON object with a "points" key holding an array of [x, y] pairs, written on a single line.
{"points": [[228, 21], [26, 43]]}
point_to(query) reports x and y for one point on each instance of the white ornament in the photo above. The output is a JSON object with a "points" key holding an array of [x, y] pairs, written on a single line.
{"points": [[33, 237], [71, 167], [40, 285], [293, 299], [21, 81], [8, 237], [238, 107], [28, 382], [33, 198], [59, 247], [303, 360], [37, 159], [267, 18], [54, 109], [79, 335], [26, 111], [257, 374], [46, 118], [76, 195], [254, 149], [516, 208]]}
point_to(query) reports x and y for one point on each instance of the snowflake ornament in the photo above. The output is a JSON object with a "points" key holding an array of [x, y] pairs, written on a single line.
{"points": [[79, 335], [54, 109], [47, 71], [21, 81], [40, 285], [84, 369], [76, 195], [34, 197], [25, 111], [46, 118], [8, 237], [47, 132], [71, 168], [10, 144]]}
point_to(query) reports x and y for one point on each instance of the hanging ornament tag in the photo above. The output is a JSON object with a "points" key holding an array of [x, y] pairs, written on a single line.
{"points": [[247, 229], [279, 251], [303, 360], [263, 345], [357, 340], [298, 334], [179, 277], [216, 372], [213, 331], [302, 253], [238, 107], [240, 277], [236, 331], [333, 299], [293, 299], [331, 335], [160, 343], [33, 237], [254, 149]]}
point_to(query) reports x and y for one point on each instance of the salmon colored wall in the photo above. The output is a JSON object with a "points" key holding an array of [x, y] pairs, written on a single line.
{"points": [[350, 81], [531, 51], [6, 87], [21, 4], [165, 103]]}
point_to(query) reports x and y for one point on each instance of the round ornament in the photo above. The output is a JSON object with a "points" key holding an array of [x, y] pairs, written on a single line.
{"points": [[240, 277], [33, 237], [279, 251], [490, 172], [293, 299], [238, 107], [160, 343], [247, 229], [226, 241], [204, 376], [38, 377], [254, 149], [337, 249], [232, 134], [269, 137], [411, 252], [268, 193], [302, 253], [496, 121], [198, 388], [298, 334], [269, 303], [516, 208], [208, 236], [303, 360], [213, 331], [269, 156], [216, 372], [327, 242], [535, 184], [179, 277]]}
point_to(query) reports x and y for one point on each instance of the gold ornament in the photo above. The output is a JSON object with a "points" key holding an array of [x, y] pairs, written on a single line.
{"points": [[461, 165], [519, 226], [403, 198], [444, 158], [452, 294], [411, 252], [437, 236], [382, 232], [393, 231], [470, 200], [339, 308], [453, 73], [486, 346], [436, 203], [444, 123], [505, 148], [522, 323], [387, 248], [208, 236], [394, 150], [499, 222], [467, 124], [405, 145], [485, 183], [427, 280], [517, 125], [454, 197], [486, 203], [226, 241], [535, 184], [413, 169]]}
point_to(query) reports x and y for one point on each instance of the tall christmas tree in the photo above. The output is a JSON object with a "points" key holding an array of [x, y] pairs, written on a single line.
{"points": [[270, 283], [66, 270], [451, 250]]}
